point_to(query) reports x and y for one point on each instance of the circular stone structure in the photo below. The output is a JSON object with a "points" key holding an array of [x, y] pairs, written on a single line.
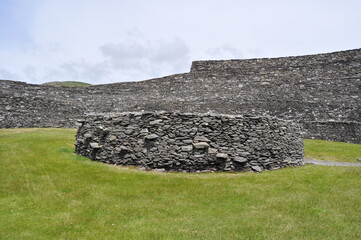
{"points": [[190, 142]]}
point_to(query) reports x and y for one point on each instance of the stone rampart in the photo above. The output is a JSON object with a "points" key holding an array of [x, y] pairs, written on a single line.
{"points": [[306, 89], [334, 131], [184, 142], [270, 66]]}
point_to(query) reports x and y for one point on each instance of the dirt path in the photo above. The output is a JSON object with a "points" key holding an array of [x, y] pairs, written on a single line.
{"points": [[331, 163]]}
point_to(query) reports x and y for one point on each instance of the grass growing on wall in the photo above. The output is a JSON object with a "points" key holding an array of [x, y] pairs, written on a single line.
{"points": [[47, 192], [332, 151], [68, 84]]}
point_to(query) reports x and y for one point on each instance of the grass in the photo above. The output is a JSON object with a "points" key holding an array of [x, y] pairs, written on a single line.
{"points": [[68, 84], [47, 192], [332, 151]]}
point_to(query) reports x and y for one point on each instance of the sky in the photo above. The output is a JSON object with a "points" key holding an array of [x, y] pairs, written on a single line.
{"points": [[106, 41]]}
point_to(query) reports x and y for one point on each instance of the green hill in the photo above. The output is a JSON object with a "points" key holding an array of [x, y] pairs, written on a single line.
{"points": [[67, 84], [48, 192]]}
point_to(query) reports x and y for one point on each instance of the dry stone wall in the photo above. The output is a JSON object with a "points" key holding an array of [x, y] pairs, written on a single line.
{"points": [[307, 89], [334, 131], [171, 141]]}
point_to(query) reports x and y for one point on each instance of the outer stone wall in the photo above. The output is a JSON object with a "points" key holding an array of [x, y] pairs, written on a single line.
{"points": [[306, 89], [169, 141], [334, 131]]}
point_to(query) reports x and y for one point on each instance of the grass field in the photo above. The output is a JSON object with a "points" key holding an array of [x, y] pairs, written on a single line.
{"points": [[68, 84], [47, 192], [332, 151]]}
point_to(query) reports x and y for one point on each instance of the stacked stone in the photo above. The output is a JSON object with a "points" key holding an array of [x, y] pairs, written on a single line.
{"points": [[334, 131], [172, 141]]}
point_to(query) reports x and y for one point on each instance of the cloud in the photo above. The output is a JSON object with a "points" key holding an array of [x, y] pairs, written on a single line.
{"points": [[100, 40], [170, 52], [125, 56], [7, 75], [151, 58], [132, 59], [79, 71], [226, 51]]}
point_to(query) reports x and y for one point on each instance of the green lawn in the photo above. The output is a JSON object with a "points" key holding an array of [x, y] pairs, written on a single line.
{"points": [[332, 151], [47, 192]]}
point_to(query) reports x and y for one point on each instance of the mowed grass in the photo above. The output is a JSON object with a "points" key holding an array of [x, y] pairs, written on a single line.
{"points": [[332, 151], [47, 192]]}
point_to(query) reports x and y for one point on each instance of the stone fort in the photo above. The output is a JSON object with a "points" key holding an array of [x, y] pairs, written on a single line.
{"points": [[320, 92], [190, 142]]}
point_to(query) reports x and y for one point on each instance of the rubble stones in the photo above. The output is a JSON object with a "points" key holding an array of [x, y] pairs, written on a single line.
{"points": [[257, 148]]}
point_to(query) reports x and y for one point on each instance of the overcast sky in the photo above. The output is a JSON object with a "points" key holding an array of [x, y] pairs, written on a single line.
{"points": [[104, 41]]}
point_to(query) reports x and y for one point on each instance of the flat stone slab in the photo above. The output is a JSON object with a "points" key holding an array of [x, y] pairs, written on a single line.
{"points": [[332, 163]]}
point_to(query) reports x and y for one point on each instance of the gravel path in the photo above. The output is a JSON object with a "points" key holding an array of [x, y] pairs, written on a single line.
{"points": [[331, 163]]}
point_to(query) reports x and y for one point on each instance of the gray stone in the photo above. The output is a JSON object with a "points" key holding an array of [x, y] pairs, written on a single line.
{"points": [[123, 148], [212, 150], [201, 145], [87, 135], [243, 154], [151, 136], [187, 148], [240, 159], [201, 139], [159, 170], [155, 122], [128, 132], [94, 145], [112, 138], [207, 120], [222, 155], [144, 130], [256, 168]]}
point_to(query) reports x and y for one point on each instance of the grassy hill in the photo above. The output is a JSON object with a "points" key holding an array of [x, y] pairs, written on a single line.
{"points": [[47, 192], [68, 84]]}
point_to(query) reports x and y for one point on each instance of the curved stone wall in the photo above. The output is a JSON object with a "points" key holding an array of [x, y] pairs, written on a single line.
{"points": [[184, 142]]}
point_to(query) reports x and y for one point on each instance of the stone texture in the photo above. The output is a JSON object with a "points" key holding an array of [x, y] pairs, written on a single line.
{"points": [[187, 145], [334, 131]]}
